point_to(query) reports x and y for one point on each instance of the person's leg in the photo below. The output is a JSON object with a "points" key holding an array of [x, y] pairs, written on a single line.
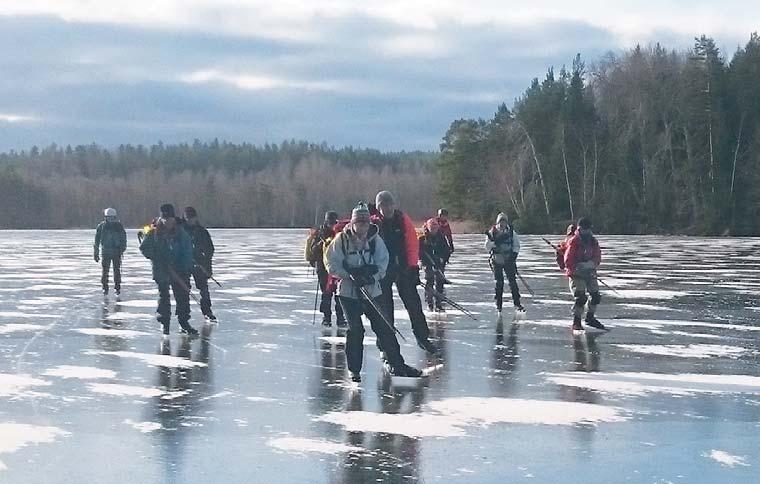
{"points": [[339, 316], [164, 310], [498, 274], [117, 272], [201, 283], [105, 264], [180, 288], [429, 284], [439, 287], [325, 304], [511, 270], [386, 284], [578, 290], [352, 309], [407, 291], [385, 335]]}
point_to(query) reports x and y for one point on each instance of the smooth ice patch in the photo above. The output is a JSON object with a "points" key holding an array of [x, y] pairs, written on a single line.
{"points": [[41, 301], [125, 390], [144, 427], [121, 315], [122, 333], [19, 327], [267, 299], [150, 359], [451, 417], [299, 445], [80, 372], [639, 384], [341, 340], [687, 351], [14, 436], [725, 459], [19, 314], [18, 386], [260, 399]]}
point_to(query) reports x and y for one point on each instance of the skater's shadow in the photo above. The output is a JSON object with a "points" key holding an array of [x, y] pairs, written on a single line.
{"points": [[504, 358], [181, 408], [107, 319], [586, 358]]}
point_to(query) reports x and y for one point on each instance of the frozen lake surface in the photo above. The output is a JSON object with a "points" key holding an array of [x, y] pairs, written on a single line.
{"points": [[90, 392]]}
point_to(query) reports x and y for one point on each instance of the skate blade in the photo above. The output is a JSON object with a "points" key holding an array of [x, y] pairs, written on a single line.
{"points": [[430, 370], [407, 381], [578, 332]]}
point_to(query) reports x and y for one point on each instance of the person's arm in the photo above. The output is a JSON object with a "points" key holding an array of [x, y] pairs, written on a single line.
{"points": [[572, 249], [123, 239], [209, 248], [490, 244], [96, 248], [597, 253], [411, 242], [148, 245], [515, 242], [381, 258], [334, 258]]}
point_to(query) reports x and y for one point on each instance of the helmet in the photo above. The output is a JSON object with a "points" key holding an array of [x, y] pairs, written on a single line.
{"points": [[109, 212]]}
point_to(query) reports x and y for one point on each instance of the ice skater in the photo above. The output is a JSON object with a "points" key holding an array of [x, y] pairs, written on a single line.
{"points": [[203, 254], [110, 244], [503, 246], [582, 259]]}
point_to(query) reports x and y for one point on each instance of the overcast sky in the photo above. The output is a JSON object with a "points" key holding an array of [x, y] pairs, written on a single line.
{"points": [[385, 74]]}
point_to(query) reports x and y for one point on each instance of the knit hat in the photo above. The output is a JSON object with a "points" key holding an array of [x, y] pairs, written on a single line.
{"points": [[570, 229], [584, 223], [360, 213], [190, 212], [167, 210], [384, 198], [331, 216], [500, 217], [442, 212]]}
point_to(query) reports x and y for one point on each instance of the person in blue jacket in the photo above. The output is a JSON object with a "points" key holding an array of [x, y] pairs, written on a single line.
{"points": [[170, 251]]}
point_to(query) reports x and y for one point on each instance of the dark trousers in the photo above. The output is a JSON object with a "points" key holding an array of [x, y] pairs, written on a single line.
{"points": [[406, 283], [510, 269], [325, 305], [105, 263], [179, 287], [353, 309], [201, 283], [433, 279]]}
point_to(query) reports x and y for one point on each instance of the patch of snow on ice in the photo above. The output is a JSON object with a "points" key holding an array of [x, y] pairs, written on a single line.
{"points": [[122, 333], [17, 436], [17, 385], [271, 321], [686, 351], [144, 427], [298, 445], [151, 359], [17, 328], [125, 390], [80, 372], [725, 459]]}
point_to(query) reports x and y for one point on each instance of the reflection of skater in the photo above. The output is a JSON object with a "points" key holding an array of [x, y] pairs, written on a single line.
{"points": [[203, 253], [434, 252], [504, 357], [359, 258], [582, 258], [503, 244], [400, 237], [110, 244], [170, 251], [317, 241]]}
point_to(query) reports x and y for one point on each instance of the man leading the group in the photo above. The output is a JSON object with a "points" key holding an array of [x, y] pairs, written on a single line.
{"points": [[400, 237]]}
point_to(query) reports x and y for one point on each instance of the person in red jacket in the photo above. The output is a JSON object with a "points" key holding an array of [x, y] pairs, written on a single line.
{"points": [[582, 259], [445, 228], [400, 237], [562, 246]]}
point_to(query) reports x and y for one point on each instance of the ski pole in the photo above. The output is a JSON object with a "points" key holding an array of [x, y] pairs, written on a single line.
{"points": [[438, 271], [607, 285], [367, 297], [448, 301], [525, 283], [552, 245], [206, 272], [182, 284]]}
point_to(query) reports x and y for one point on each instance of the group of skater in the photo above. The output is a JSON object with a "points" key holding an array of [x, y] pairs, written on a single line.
{"points": [[178, 248], [358, 260]]}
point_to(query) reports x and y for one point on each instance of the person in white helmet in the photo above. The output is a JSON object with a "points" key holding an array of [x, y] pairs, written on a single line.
{"points": [[110, 244]]}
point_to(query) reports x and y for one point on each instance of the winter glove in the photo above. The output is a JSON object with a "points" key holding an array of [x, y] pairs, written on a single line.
{"points": [[96, 256], [368, 270]]}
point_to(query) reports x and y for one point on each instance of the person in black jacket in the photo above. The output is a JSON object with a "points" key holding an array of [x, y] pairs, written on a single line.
{"points": [[110, 244], [434, 252], [203, 252]]}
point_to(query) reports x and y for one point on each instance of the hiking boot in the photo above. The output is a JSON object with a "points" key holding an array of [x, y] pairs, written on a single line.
{"points": [[105, 291], [326, 321], [439, 308], [210, 317], [594, 323], [577, 324], [406, 370], [428, 346], [519, 307], [356, 377], [430, 307], [165, 329], [342, 323], [117, 291]]}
